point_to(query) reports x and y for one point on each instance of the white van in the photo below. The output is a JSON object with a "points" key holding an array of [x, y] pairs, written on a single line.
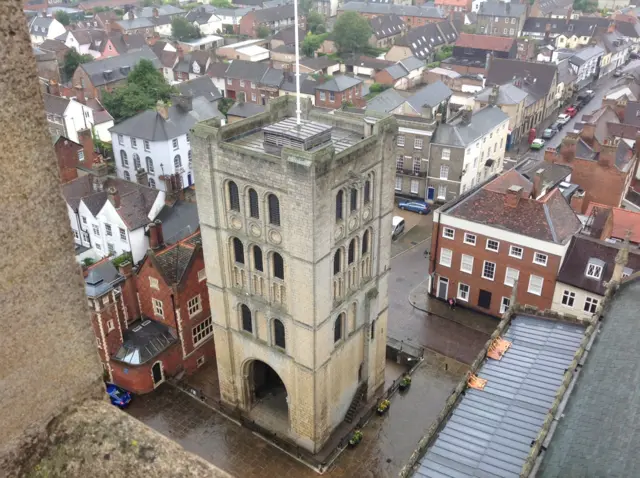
{"points": [[397, 226]]}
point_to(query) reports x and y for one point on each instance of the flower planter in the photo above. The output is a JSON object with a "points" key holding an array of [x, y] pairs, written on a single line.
{"points": [[355, 438], [404, 386], [382, 412]]}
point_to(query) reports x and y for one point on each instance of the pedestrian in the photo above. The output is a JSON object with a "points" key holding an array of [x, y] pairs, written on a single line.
{"points": [[451, 303]]}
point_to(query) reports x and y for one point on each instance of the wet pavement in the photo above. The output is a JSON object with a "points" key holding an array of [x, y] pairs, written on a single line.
{"points": [[388, 441]]}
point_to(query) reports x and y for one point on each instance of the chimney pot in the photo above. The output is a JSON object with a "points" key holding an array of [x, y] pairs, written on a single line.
{"points": [[512, 198], [537, 184], [114, 197], [163, 109], [577, 201], [156, 239]]}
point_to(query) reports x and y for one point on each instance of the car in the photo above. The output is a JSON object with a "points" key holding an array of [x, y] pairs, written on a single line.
{"points": [[549, 133], [634, 56], [537, 144], [415, 206], [557, 126], [397, 226], [118, 396], [563, 119], [571, 111]]}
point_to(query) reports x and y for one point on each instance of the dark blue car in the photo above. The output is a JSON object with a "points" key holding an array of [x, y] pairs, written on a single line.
{"points": [[415, 206], [119, 397]]}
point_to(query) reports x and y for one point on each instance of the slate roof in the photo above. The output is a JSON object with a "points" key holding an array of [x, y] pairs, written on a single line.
{"points": [[386, 26], [508, 94], [367, 62], [178, 221], [84, 36], [566, 74], [136, 200], [597, 434], [459, 135], [502, 9], [386, 101], [489, 432], [274, 14], [288, 35], [124, 43], [485, 42], [585, 26], [244, 110], [431, 95], [396, 71], [246, 70], [318, 63], [143, 340], [55, 104], [43, 24], [339, 83], [201, 86], [200, 16], [150, 125], [174, 260], [185, 64], [632, 113], [147, 12], [167, 58], [628, 29], [96, 69], [424, 40], [584, 248], [101, 278], [307, 83], [53, 45], [554, 6], [423, 11], [502, 71], [549, 219], [552, 174], [136, 23]]}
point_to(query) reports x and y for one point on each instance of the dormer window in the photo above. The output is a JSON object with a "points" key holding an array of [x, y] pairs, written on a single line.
{"points": [[626, 272], [594, 268]]}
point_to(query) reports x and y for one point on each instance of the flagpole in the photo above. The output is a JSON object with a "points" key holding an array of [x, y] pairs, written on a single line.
{"points": [[297, 47]]}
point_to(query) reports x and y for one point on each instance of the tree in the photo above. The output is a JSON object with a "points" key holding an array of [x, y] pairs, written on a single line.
{"points": [[182, 30], [147, 3], [263, 31], [221, 3], [145, 87], [63, 17], [351, 33], [311, 43], [314, 20], [71, 61]]}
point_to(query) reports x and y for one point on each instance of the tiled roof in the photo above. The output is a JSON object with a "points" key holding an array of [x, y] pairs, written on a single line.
{"points": [[179, 220], [339, 83], [425, 39], [581, 250], [318, 63], [387, 25], [552, 173], [632, 113], [146, 12], [430, 95], [386, 101], [629, 30], [461, 135], [288, 35], [396, 71], [101, 278], [53, 45], [367, 62], [550, 219], [274, 14], [120, 66], [307, 83], [549, 6], [508, 94], [124, 43], [623, 220], [174, 260], [485, 42], [246, 70], [55, 104], [502, 71], [201, 86], [168, 58]]}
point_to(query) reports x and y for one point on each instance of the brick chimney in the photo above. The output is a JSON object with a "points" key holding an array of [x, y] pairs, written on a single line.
{"points": [[588, 133], [163, 109], [156, 239], [142, 177], [611, 28], [512, 198], [129, 293], [577, 201], [80, 94], [465, 117], [607, 155], [100, 174], [537, 184], [54, 88], [493, 96], [114, 197], [622, 258], [568, 148], [85, 138], [156, 14]]}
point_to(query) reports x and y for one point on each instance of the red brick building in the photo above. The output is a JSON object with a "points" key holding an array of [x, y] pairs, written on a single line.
{"points": [[155, 323], [71, 155], [604, 171], [274, 19], [497, 234], [338, 90]]}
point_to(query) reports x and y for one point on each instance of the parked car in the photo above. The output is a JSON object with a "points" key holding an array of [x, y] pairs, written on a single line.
{"points": [[119, 396], [564, 119], [571, 111], [617, 73], [537, 144], [397, 226], [634, 56], [415, 206], [549, 133], [557, 126]]}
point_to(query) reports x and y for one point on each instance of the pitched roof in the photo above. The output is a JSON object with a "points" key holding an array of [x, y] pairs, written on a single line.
{"points": [[367, 62], [423, 40], [287, 35], [597, 430], [387, 25], [386, 101], [396, 71], [552, 173], [41, 25], [53, 45], [508, 94], [101, 278], [629, 30], [554, 6], [457, 134], [307, 83], [412, 63], [143, 340], [632, 113], [489, 432], [246, 70], [424, 11], [502, 9], [244, 110], [174, 260], [431, 95], [485, 42], [502, 71], [318, 63], [119, 66], [168, 57], [623, 220], [162, 10], [178, 221], [201, 86], [136, 23], [136, 200], [339, 83], [188, 63], [549, 219], [55, 104], [274, 14], [124, 43], [584, 248]]}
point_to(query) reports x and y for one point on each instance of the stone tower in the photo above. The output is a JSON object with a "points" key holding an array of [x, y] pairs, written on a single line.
{"points": [[296, 231]]}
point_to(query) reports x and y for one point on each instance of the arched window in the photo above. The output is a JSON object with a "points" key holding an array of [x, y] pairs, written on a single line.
{"points": [[238, 251], [234, 199], [136, 161], [177, 161], [354, 199], [254, 209], [373, 329], [337, 328], [278, 266], [278, 334], [367, 191], [352, 251], [152, 183], [190, 156], [337, 261], [149, 164], [274, 210], [257, 259], [127, 176], [365, 242], [339, 201], [247, 323], [123, 158]]}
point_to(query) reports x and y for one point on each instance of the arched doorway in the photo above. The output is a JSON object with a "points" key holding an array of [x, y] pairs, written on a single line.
{"points": [[267, 397]]}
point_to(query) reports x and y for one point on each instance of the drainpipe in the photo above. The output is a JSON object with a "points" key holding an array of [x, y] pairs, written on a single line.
{"points": [[435, 252]]}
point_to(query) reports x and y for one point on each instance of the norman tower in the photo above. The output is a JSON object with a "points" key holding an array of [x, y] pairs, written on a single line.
{"points": [[296, 231]]}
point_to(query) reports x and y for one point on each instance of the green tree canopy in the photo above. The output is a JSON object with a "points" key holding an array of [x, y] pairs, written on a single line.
{"points": [[263, 32], [351, 33], [71, 61], [314, 20], [221, 3], [63, 17], [145, 87], [311, 43], [182, 30]]}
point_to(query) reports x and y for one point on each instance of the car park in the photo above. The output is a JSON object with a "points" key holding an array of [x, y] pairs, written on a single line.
{"points": [[564, 119], [537, 144], [415, 206]]}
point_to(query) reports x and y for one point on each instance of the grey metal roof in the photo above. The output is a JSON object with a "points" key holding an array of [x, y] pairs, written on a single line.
{"points": [[143, 340], [396, 71], [431, 95], [412, 63], [386, 101], [460, 135], [100, 279], [117, 65], [489, 432], [598, 435], [340, 83]]}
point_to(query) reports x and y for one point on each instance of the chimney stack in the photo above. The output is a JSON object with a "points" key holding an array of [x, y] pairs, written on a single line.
{"points": [[537, 184], [184, 102], [156, 239], [568, 147], [114, 197], [163, 109], [577, 201], [100, 173], [142, 177], [466, 116], [512, 198], [54, 88], [622, 258], [80, 94], [607, 155], [85, 138], [493, 96]]}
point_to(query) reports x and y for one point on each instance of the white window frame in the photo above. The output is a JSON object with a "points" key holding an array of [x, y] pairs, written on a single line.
{"points": [[505, 303], [202, 331], [589, 304], [468, 267], [467, 238], [461, 295], [323, 96], [96, 230], [484, 269], [153, 283], [446, 257], [537, 255], [229, 81], [442, 191], [134, 143], [202, 275], [110, 326], [147, 145], [194, 305], [448, 233], [123, 234], [444, 171], [121, 139], [414, 186], [497, 249], [568, 298], [597, 271], [241, 83], [446, 154], [400, 140], [530, 289], [158, 307], [80, 155], [107, 229], [513, 253], [398, 183], [418, 143], [511, 275], [174, 142]]}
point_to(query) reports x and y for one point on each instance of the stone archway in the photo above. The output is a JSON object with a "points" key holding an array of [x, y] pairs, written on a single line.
{"points": [[266, 397]]}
